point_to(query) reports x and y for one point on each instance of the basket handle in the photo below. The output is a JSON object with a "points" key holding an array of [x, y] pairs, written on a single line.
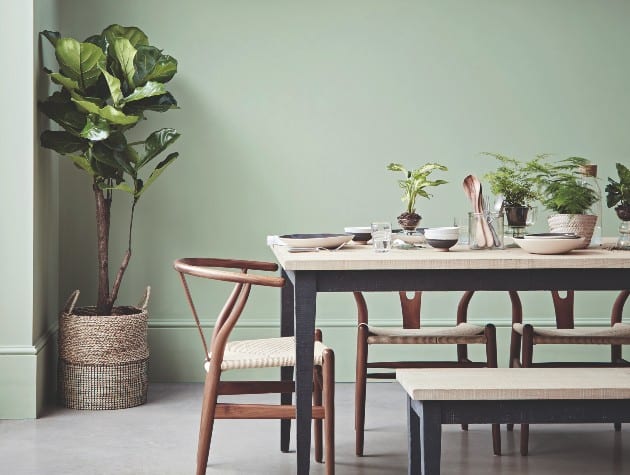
{"points": [[71, 302], [144, 301]]}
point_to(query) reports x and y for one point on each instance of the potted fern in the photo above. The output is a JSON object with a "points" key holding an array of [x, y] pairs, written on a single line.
{"points": [[413, 186], [108, 83], [565, 191], [514, 181]]}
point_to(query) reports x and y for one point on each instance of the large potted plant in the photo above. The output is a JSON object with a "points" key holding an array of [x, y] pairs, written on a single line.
{"points": [[618, 195], [108, 83], [514, 181], [565, 192], [414, 185]]}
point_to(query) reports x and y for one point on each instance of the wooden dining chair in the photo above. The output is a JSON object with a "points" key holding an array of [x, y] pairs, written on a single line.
{"points": [[567, 333], [411, 333], [223, 355]]}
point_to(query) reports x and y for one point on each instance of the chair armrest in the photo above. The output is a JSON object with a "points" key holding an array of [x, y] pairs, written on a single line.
{"points": [[206, 268]]}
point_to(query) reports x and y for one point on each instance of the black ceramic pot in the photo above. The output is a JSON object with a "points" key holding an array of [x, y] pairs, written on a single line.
{"points": [[516, 215]]}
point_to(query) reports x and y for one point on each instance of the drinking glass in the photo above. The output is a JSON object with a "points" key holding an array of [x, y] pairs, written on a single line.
{"points": [[382, 236]]}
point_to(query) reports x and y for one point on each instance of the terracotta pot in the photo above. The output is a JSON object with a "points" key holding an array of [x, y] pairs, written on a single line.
{"points": [[580, 224]]}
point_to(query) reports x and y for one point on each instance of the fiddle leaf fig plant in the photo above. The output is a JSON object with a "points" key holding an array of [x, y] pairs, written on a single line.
{"points": [[618, 192], [108, 82]]}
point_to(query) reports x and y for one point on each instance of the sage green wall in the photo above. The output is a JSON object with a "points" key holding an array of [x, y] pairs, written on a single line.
{"points": [[290, 112], [29, 243]]}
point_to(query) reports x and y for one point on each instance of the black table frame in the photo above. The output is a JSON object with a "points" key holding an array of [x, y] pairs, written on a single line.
{"points": [[425, 419], [298, 310]]}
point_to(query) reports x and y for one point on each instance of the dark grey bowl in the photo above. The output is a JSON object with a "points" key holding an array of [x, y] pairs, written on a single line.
{"points": [[441, 244]]}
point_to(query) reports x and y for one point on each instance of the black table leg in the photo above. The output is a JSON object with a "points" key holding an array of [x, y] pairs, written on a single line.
{"points": [[305, 298], [286, 373], [413, 439], [430, 437]]}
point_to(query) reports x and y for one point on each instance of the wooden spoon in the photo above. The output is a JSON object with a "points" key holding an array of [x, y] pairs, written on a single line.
{"points": [[471, 188]]}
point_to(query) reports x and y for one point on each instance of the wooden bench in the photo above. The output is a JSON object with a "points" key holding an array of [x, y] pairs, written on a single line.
{"points": [[505, 395]]}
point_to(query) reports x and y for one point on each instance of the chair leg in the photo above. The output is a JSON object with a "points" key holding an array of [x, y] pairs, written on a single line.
{"points": [[526, 362], [317, 423], [360, 388], [209, 404], [328, 383], [492, 361]]}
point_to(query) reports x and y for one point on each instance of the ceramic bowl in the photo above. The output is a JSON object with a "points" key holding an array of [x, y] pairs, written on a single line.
{"points": [[441, 244], [548, 245], [451, 232], [362, 234], [315, 240]]}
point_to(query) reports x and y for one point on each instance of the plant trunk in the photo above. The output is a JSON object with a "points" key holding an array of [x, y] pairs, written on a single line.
{"points": [[103, 206]]}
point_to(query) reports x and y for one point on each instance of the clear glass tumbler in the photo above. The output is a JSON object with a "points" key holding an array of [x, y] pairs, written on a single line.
{"points": [[382, 236], [485, 230]]}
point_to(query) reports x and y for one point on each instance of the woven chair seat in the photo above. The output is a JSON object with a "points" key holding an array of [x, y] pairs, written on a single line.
{"points": [[618, 330], [263, 353], [381, 335]]}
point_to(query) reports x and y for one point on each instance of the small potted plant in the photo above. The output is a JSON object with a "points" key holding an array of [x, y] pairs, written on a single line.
{"points": [[108, 84], [514, 181], [414, 185], [564, 190], [618, 193]]}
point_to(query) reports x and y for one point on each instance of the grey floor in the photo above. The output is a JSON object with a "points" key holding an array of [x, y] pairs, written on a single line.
{"points": [[160, 438]]}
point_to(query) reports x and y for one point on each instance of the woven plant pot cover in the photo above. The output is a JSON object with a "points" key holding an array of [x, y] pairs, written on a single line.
{"points": [[580, 224], [103, 360]]}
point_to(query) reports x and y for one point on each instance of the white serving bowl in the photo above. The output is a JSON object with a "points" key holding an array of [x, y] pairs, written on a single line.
{"points": [[549, 245], [451, 232]]}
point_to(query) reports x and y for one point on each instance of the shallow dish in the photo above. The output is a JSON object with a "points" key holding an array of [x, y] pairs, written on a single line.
{"points": [[552, 236], [441, 244], [362, 234], [549, 245], [315, 240]]}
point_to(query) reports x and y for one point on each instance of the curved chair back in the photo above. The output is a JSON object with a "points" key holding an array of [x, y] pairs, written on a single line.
{"points": [[215, 269]]}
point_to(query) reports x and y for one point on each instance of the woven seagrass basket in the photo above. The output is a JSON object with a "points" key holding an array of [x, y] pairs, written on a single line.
{"points": [[580, 224], [103, 360]]}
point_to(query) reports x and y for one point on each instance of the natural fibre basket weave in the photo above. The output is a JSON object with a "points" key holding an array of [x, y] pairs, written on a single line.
{"points": [[580, 224], [103, 360]]}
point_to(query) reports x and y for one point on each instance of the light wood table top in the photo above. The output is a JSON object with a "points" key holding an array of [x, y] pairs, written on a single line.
{"points": [[363, 257], [472, 384]]}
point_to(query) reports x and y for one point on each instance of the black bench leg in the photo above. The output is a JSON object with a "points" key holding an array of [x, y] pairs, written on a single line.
{"points": [[430, 437], [413, 438]]}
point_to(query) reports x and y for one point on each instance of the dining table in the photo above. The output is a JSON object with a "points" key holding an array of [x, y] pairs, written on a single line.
{"points": [[360, 268]]}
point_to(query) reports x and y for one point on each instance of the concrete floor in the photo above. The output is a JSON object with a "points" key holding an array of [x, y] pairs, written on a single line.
{"points": [[160, 438]]}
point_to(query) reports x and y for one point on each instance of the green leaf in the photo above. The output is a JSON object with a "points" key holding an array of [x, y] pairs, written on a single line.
{"points": [[157, 142], [624, 173], [60, 109], [62, 142], [152, 65], [96, 128], [150, 89], [109, 113], [79, 61], [156, 103], [52, 36], [124, 53], [114, 87], [83, 163], [132, 33], [69, 84], [159, 169]]}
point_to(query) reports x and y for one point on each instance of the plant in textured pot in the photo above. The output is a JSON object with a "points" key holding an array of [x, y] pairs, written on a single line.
{"points": [[514, 181], [108, 83], [618, 193], [564, 190], [414, 185]]}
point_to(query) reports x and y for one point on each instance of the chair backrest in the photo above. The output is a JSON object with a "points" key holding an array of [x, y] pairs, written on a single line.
{"points": [[215, 269], [564, 308], [411, 308]]}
